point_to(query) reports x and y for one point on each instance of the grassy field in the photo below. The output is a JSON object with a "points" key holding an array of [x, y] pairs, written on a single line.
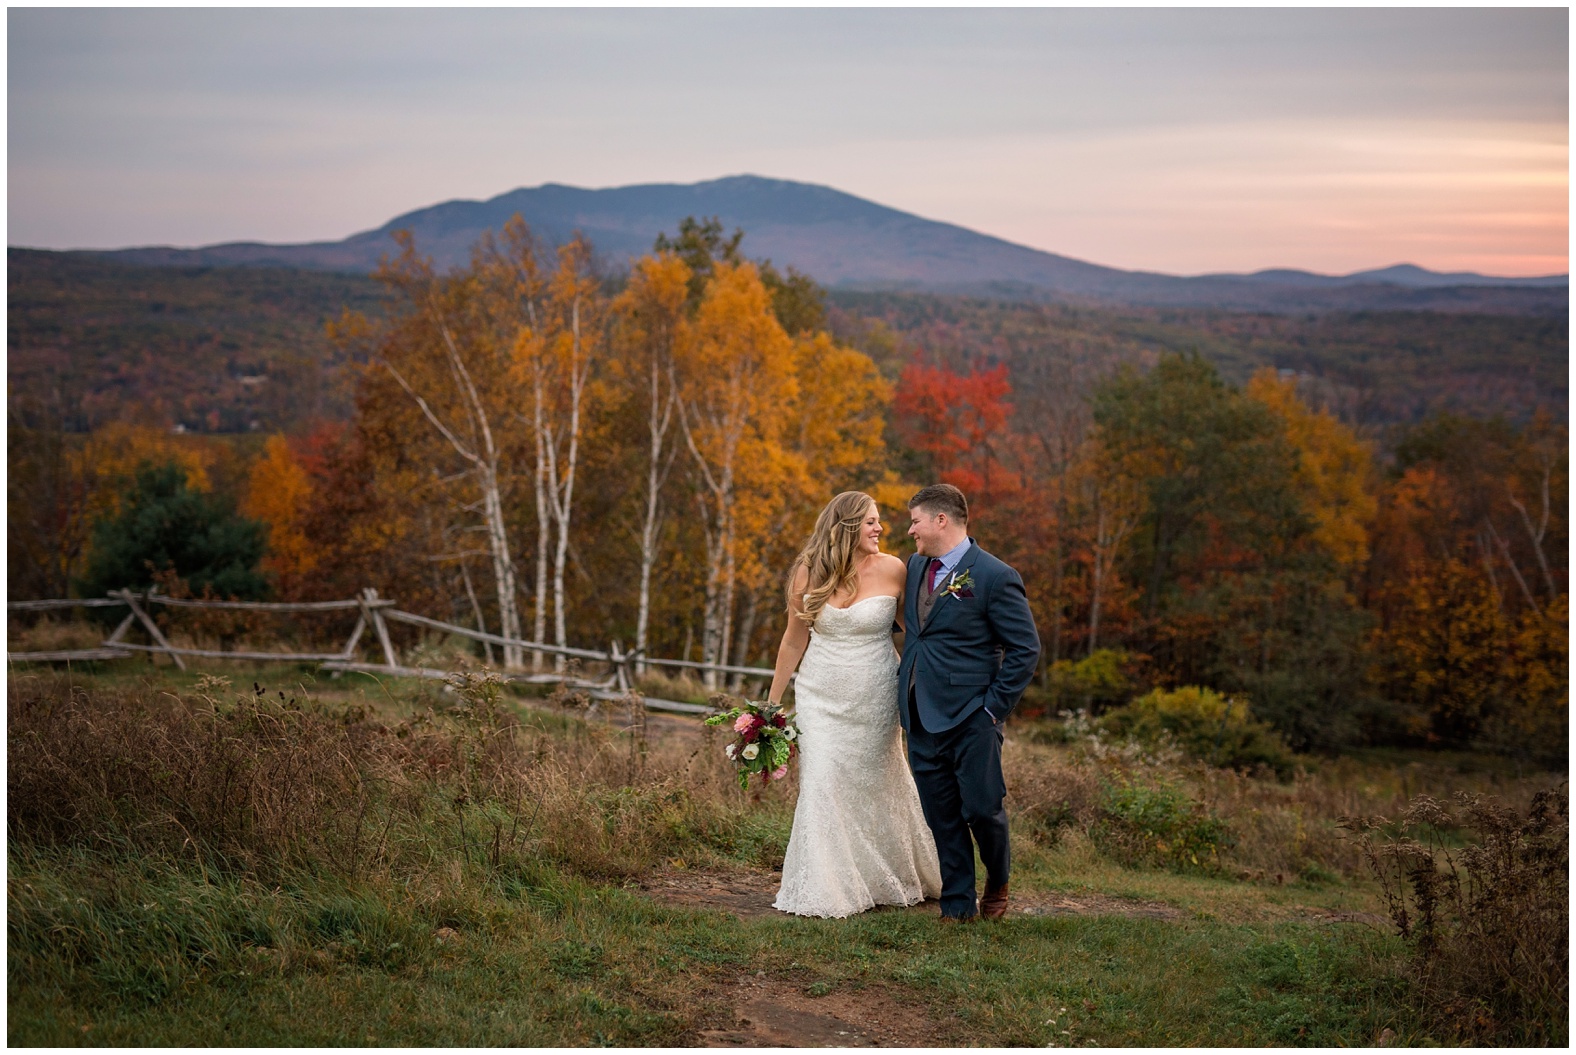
{"points": [[355, 861]]}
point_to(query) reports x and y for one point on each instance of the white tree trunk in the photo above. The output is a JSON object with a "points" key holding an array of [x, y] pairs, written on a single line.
{"points": [[730, 578], [1097, 574], [561, 485], [711, 620], [716, 504], [484, 463], [658, 420], [543, 515], [741, 645], [1109, 534], [503, 568]]}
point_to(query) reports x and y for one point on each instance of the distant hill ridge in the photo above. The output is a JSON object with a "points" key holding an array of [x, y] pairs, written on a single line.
{"points": [[848, 242]]}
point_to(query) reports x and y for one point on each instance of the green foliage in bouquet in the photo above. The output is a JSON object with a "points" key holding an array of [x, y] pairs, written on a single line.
{"points": [[766, 740]]}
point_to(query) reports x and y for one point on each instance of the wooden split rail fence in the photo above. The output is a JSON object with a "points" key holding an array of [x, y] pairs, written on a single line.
{"points": [[374, 612]]}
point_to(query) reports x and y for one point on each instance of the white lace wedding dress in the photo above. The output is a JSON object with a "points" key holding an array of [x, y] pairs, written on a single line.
{"points": [[859, 838]]}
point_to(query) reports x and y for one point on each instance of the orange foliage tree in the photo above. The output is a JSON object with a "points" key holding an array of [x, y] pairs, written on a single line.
{"points": [[278, 492], [438, 398], [734, 375], [1468, 577]]}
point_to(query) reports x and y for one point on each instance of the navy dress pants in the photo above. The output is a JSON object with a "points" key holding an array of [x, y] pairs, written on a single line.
{"points": [[962, 791]]}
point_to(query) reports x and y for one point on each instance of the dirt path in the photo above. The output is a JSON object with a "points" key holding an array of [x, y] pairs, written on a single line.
{"points": [[780, 1013], [749, 895], [786, 1012]]}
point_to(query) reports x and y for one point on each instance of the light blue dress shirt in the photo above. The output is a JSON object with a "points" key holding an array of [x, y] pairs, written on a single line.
{"points": [[949, 561]]}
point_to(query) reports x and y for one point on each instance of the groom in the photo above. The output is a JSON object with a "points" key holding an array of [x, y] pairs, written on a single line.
{"points": [[969, 650]]}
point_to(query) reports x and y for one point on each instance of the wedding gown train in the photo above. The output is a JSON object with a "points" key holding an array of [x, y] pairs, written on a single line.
{"points": [[859, 837]]}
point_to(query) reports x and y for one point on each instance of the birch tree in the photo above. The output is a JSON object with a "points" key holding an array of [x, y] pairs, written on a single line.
{"points": [[441, 351], [650, 314], [736, 374], [1110, 508], [521, 289], [555, 351]]}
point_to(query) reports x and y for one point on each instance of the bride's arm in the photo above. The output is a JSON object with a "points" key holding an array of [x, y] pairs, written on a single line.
{"points": [[796, 638]]}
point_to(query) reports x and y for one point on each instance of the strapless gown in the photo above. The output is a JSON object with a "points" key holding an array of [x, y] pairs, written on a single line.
{"points": [[859, 836]]}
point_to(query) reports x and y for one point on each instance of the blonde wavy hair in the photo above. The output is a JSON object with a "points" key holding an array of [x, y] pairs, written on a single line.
{"points": [[831, 555]]}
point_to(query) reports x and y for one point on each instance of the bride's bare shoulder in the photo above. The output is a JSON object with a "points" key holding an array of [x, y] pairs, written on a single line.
{"points": [[894, 567], [800, 578]]}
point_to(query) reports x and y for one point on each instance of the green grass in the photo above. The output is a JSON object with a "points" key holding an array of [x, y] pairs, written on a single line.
{"points": [[554, 944], [158, 955]]}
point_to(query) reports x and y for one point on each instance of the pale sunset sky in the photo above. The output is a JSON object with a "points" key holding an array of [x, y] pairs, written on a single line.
{"points": [[1174, 140]]}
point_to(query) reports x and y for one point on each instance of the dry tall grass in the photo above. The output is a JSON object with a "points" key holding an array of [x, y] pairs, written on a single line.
{"points": [[1489, 922], [1279, 830], [262, 783]]}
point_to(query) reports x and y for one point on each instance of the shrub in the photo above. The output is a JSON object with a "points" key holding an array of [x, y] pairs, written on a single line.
{"points": [[1488, 923], [1209, 727], [1100, 680], [1159, 823]]}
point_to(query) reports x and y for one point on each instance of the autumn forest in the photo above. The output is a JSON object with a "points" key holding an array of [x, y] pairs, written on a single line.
{"points": [[1356, 527]]}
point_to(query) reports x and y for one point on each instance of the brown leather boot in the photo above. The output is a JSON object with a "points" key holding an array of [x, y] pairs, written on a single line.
{"points": [[994, 904]]}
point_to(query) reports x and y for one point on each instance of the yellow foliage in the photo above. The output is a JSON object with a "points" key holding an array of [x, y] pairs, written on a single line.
{"points": [[1539, 675], [277, 494], [1448, 647], [1333, 467], [892, 493], [111, 455], [738, 381], [839, 420], [652, 304]]}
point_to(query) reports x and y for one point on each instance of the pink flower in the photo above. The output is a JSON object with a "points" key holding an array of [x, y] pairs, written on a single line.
{"points": [[742, 725], [779, 772]]}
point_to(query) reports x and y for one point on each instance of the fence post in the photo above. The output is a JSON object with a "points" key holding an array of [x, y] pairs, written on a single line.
{"points": [[638, 747], [120, 631], [375, 615], [355, 636], [152, 627], [620, 662]]}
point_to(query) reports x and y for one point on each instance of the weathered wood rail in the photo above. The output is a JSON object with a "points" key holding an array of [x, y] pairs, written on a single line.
{"points": [[374, 612]]}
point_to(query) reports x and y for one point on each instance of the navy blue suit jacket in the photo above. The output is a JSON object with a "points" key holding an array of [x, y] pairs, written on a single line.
{"points": [[975, 651]]}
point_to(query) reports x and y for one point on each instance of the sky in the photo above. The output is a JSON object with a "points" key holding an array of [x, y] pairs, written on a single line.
{"points": [[1182, 141]]}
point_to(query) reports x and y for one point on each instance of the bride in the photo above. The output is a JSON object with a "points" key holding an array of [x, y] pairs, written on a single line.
{"points": [[859, 838]]}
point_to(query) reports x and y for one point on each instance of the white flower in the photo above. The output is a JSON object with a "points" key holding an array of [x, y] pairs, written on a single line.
{"points": [[751, 750], [732, 751], [790, 733]]}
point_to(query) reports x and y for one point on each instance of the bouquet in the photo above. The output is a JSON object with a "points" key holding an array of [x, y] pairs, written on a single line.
{"points": [[767, 740]]}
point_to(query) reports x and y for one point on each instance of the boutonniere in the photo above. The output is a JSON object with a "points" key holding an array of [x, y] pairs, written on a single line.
{"points": [[960, 585]]}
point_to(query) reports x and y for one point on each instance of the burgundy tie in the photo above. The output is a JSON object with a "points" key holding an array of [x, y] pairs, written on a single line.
{"points": [[935, 572]]}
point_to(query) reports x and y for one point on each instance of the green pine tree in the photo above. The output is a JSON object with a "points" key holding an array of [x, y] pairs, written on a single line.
{"points": [[164, 525]]}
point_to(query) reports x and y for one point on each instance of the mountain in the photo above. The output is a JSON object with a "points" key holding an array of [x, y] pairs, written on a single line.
{"points": [[847, 242], [1400, 275]]}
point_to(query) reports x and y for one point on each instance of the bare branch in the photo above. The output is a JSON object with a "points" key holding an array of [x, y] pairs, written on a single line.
{"points": [[454, 440], [1515, 571], [469, 387], [1537, 534]]}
